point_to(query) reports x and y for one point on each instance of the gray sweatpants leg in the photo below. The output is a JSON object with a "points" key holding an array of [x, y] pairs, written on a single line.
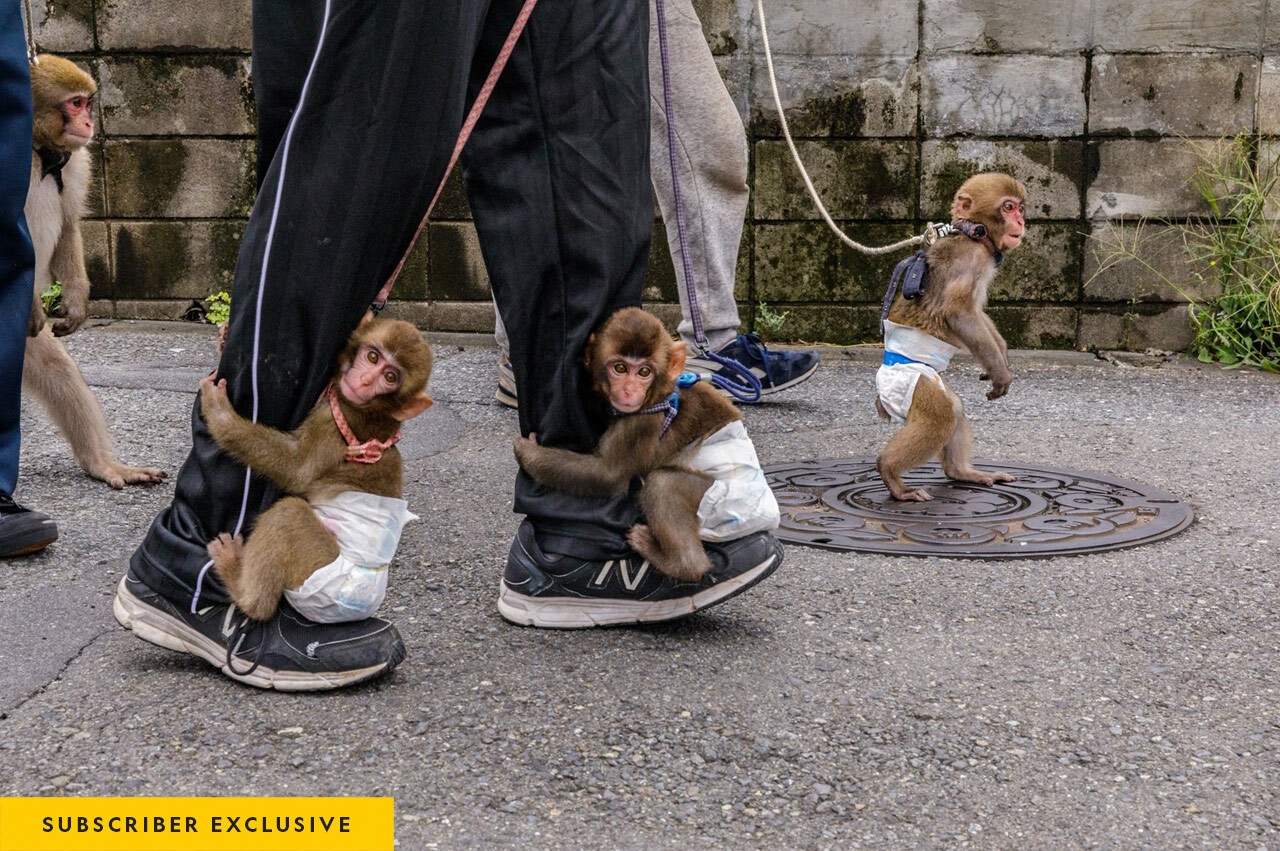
{"points": [[711, 153]]}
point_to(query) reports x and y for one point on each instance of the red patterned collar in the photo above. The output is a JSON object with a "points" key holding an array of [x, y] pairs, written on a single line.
{"points": [[368, 452]]}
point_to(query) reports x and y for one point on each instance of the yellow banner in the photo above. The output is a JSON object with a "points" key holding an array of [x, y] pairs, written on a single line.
{"points": [[197, 824]]}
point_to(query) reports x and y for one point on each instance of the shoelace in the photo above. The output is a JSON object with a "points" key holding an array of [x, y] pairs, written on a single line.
{"points": [[233, 644]]}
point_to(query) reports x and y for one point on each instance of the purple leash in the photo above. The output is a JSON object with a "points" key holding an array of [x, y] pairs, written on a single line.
{"points": [[749, 388]]}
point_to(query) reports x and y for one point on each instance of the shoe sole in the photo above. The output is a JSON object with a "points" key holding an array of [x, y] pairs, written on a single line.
{"points": [[154, 626], [585, 612], [504, 398], [32, 540], [764, 391]]}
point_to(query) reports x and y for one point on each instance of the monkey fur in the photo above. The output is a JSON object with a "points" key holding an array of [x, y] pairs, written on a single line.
{"points": [[953, 309], [288, 542], [635, 445], [62, 96]]}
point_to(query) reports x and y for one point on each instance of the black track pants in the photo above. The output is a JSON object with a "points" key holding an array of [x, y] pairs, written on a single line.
{"points": [[560, 190]]}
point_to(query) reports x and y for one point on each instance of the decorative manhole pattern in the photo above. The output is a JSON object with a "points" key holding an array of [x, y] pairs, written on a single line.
{"points": [[842, 504]]}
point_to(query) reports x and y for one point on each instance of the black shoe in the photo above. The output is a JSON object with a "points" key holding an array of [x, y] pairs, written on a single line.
{"points": [[288, 652], [561, 592], [22, 530]]}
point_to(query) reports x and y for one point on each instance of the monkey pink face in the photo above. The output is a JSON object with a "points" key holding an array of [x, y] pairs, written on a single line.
{"points": [[1012, 210], [372, 373], [77, 129], [629, 381]]}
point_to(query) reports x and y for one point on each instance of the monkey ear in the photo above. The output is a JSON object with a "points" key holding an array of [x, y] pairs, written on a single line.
{"points": [[679, 351], [413, 407], [963, 206], [588, 349]]}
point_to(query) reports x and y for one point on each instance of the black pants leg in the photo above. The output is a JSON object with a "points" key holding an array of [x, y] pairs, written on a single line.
{"points": [[557, 176], [358, 162]]}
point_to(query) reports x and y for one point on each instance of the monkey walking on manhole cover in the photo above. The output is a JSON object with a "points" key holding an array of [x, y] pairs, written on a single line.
{"points": [[941, 310]]}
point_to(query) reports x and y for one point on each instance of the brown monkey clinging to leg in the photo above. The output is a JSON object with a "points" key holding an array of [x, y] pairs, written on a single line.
{"points": [[924, 329], [343, 473]]}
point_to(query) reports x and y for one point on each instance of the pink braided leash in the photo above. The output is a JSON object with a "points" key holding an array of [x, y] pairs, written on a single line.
{"points": [[465, 133]]}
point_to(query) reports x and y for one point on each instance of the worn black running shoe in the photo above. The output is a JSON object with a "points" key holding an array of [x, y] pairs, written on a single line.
{"points": [[288, 652], [22, 530], [561, 592]]}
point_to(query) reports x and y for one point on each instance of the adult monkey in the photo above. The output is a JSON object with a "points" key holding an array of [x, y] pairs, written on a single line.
{"points": [[925, 327], [62, 95]]}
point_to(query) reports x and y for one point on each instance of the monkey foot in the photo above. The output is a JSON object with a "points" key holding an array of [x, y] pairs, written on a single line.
{"points": [[118, 475], [914, 495], [980, 478]]}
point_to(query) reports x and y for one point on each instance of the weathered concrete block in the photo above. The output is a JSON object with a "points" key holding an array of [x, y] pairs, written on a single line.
{"points": [[452, 205], [856, 180], [1036, 327], [839, 324], [805, 262], [1003, 95], [159, 309], [62, 26], [179, 178], [174, 259], [847, 96], [414, 281], [457, 271], [874, 27], [667, 312], [1046, 267], [720, 24], [660, 276], [96, 198], [97, 259], [1137, 328], [1164, 271], [993, 26], [1269, 96], [101, 308], [475, 317], [174, 25], [1172, 95], [1051, 170], [164, 95], [1141, 178], [1177, 25]]}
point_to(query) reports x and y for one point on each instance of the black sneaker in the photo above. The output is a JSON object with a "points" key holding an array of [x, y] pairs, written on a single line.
{"points": [[778, 370], [288, 652], [561, 592], [22, 530]]}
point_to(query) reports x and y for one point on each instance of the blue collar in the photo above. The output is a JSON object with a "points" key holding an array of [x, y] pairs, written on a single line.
{"points": [[671, 405], [894, 359]]}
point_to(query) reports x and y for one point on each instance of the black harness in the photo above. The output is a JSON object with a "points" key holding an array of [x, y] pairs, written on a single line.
{"points": [[51, 162], [913, 272]]}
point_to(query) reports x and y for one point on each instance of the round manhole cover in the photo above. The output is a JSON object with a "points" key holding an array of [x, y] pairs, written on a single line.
{"points": [[842, 504]]}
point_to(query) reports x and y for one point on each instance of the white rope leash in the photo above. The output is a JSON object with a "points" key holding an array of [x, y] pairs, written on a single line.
{"points": [[813, 193], [24, 11]]}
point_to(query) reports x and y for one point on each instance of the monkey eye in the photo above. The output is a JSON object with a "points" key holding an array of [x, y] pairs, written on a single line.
{"points": [[620, 368], [371, 355], [78, 102], [391, 377], [644, 371]]}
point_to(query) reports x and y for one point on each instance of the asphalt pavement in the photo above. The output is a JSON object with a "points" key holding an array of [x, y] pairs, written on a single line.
{"points": [[1126, 699]]}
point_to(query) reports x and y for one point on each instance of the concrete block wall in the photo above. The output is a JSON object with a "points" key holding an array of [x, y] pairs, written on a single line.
{"points": [[893, 102]]}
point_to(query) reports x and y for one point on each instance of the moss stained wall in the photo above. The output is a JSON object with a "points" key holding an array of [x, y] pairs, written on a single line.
{"points": [[893, 103]]}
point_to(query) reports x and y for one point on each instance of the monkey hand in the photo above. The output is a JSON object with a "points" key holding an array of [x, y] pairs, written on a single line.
{"points": [[526, 449], [214, 404], [999, 386], [70, 316], [36, 321]]}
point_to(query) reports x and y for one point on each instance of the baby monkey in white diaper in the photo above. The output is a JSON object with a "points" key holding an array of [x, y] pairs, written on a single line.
{"points": [[943, 309], [326, 546]]}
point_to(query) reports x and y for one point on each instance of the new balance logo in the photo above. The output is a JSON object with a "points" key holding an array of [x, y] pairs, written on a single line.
{"points": [[630, 582]]}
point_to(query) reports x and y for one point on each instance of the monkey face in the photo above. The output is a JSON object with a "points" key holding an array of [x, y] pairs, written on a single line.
{"points": [[371, 373], [77, 125], [629, 382], [1012, 209]]}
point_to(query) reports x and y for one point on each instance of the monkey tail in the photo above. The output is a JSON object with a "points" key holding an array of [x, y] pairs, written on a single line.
{"points": [[881, 412]]}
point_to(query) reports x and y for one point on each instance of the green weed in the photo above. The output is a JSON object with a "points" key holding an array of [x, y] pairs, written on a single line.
{"points": [[218, 308]]}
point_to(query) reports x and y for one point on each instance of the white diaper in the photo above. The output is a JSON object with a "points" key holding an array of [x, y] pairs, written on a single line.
{"points": [[896, 383], [352, 586], [739, 501]]}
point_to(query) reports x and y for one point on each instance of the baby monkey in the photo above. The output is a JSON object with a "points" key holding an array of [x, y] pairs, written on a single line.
{"points": [[927, 325], [343, 473], [634, 364]]}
